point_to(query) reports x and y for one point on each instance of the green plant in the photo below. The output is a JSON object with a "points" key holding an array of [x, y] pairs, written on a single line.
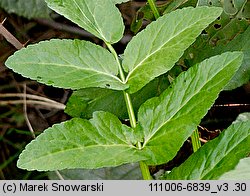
{"points": [[162, 124], [222, 35]]}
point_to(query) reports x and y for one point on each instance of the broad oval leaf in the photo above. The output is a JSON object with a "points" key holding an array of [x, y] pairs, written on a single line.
{"points": [[71, 64], [101, 142], [99, 17], [167, 121], [155, 50], [217, 156]]}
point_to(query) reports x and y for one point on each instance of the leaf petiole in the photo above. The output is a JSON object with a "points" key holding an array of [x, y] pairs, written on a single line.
{"points": [[112, 50], [196, 144], [145, 171], [153, 8]]}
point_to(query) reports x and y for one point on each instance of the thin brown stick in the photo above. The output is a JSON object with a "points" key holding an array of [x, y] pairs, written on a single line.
{"points": [[26, 114], [29, 124], [59, 175], [35, 97], [34, 102], [43, 101], [232, 105], [9, 37], [203, 140]]}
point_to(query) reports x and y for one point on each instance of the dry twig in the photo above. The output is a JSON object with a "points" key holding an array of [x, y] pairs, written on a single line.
{"points": [[35, 100], [25, 112], [9, 37]]}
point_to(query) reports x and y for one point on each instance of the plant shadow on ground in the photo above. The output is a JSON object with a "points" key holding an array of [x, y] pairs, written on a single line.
{"points": [[14, 132]]}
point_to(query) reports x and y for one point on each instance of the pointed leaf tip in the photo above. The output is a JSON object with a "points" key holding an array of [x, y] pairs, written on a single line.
{"points": [[167, 121], [72, 64], [101, 142], [216, 157]]}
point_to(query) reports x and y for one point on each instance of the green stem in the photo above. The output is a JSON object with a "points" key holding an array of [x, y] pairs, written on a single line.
{"points": [[112, 50], [130, 109], [195, 140], [144, 168], [154, 9], [145, 171]]}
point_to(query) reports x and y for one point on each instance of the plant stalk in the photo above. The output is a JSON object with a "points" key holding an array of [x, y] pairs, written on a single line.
{"points": [[130, 109], [154, 9], [112, 50], [196, 144], [143, 166], [145, 171]]}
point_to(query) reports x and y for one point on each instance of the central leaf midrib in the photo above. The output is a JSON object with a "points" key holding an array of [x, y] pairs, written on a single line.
{"points": [[180, 108], [76, 67], [78, 148], [148, 56], [95, 28]]}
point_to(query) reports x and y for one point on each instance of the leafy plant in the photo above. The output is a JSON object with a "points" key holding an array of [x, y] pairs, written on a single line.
{"points": [[162, 124], [211, 162], [229, 32]]}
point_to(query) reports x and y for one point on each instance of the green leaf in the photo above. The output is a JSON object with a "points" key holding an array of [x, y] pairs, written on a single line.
{"points": [[246, 11], [192, 3], [29, 9], [174, 5], [217, 156], [101, 142], [229, 7], [228, 25], [144, 13], [99, 17], [233, 21], [167, 121], [71, 64], [119, 1], [84, 102], [240, 43], [240, 172], [122, 172], [243, 117], [145, 59]]}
